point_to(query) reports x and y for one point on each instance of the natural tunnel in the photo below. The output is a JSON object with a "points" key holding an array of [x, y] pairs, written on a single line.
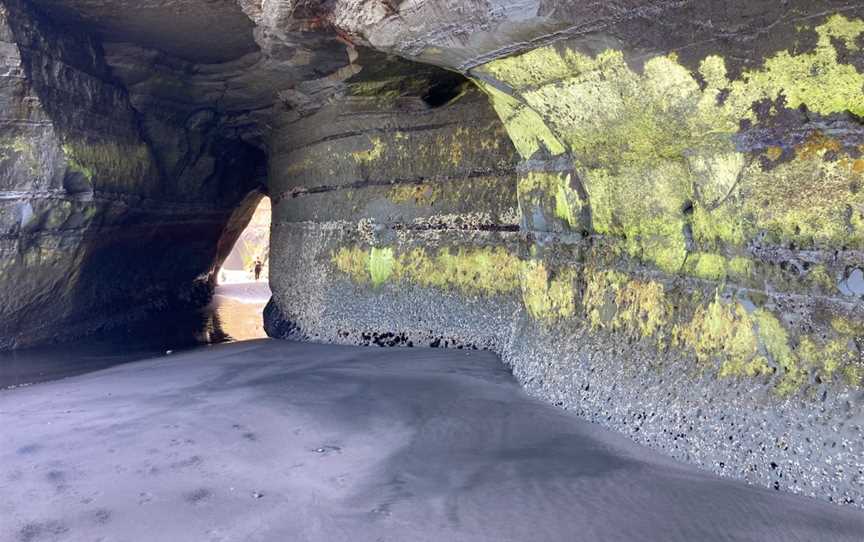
{"points": [[652, 210], [249, 258]]}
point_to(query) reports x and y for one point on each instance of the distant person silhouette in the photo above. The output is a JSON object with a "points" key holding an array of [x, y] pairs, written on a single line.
{"points": [[258, 267]]}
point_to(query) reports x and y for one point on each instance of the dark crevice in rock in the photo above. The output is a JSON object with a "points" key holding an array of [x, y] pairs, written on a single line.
{"points": [[445, 90]]}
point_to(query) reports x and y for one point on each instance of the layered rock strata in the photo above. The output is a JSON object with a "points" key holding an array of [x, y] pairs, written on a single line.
{"points": [[687, 266]]}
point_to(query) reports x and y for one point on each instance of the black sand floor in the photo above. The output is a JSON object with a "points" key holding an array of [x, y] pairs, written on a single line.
{"points": [[270, 440]]}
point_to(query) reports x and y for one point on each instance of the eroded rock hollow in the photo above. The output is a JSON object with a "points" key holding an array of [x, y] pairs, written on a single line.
{"points": [[652, 210]]}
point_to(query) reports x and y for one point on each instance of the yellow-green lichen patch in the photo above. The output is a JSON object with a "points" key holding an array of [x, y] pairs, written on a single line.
{"points": [[775, 339], [456, 143], [299, 166], [827, 358], [721, 225], [482, 270], [745, 344], [23, 150], [77, 166], [644, 210], [55, 215], [648, 145], [352, 261], [839, 27], [372, 154], [723, 333], [547, 297], [551, 193], [381, 263], [386, 90], [847, 327], [421, 195], [819, 276], [816, 79], [811, 200], [568, 204], [628, 134], [486, 271], [638, 308], [538, 67], [708, 266], [644, 309], [853, 374], [740, 269], [20, 145], [601, 288], [537, 181], [848, 333], [448, 151], [526, 129]]}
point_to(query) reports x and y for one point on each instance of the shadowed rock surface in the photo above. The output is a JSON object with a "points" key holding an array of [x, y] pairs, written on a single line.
{"points": [[652, 210], [271, 440], [98, 222], [234, 314]]}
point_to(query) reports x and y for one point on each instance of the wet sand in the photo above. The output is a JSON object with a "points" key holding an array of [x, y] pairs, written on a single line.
{"points": [[271, 440], [239, 307]]}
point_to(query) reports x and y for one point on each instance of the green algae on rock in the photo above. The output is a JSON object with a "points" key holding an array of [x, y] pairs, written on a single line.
{"points": [[487, 271], [723, 332], [657, 150], [546, 297], [550, 193], [525, 127], [375, 152], [381, 264], [22, 151], [113, 166]]}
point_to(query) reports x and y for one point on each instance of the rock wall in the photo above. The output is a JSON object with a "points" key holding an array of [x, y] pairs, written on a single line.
{"points": [[403, 181], [94, 227], [677, 254]]}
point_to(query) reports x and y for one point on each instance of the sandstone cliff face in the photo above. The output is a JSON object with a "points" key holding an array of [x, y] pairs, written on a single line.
{"points": [[653, 210]]}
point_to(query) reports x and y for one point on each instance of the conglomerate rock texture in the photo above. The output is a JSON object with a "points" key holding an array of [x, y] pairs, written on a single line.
{"points": [[653, 210]]}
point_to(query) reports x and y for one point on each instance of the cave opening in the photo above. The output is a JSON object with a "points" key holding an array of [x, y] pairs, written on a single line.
{"points": [[223, 305], [249, 259], [241, 288]]}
